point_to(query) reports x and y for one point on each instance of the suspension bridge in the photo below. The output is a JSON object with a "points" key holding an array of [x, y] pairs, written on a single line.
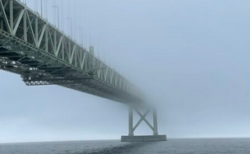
{"points": [[42, 54]]}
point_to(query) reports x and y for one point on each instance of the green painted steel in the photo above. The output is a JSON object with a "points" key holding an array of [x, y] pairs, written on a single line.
{"points": [[42, 54]]}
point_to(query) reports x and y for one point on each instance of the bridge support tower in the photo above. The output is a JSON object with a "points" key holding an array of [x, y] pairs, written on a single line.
{"points": [[142, 138]]}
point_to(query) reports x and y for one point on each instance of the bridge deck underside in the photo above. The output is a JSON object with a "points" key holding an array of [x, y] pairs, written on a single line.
{"points": [[18, 57]]}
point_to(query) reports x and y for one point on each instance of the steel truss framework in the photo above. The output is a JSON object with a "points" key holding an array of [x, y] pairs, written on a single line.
{"points": [[43, 55]]}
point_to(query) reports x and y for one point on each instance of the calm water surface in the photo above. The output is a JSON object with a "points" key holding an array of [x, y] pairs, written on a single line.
{"points": [[172, 146]]}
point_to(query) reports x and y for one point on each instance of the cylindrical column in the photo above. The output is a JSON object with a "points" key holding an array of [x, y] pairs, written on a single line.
{"points": [[155, 122], [130, 122]]}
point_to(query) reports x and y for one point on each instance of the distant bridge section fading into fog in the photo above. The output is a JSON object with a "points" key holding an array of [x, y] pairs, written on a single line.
{"points": [[44, 55]]}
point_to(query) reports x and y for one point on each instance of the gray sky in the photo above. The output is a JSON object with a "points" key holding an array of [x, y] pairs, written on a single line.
{"points": [[191, 57]]}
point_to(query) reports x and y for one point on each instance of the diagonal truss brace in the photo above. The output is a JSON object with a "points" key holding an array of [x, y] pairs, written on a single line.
{"points": [[2, 7], [132, 128], [143, 118]]}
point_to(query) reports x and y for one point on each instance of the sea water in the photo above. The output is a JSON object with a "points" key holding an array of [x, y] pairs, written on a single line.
{"points": [[172, 146]]}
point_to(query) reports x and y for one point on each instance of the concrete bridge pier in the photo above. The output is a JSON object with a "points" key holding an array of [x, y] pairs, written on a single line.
{"points": [[142, 138]]}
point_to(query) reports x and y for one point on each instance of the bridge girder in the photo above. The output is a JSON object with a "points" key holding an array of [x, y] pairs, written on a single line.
{"points": [[33, 48]]}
